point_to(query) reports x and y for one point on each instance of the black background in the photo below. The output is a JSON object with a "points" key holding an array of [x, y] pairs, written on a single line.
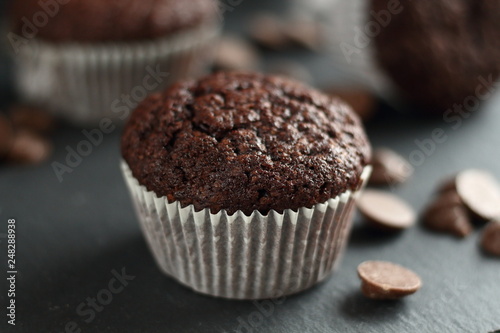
{"points": [[71, 235]]}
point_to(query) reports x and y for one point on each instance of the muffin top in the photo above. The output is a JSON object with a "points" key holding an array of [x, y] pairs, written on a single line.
{"points": [[109, 20], [435, 51], [245, 141]]}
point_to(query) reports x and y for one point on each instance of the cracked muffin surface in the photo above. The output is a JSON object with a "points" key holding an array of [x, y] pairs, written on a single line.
{"points": [[245, 141]]}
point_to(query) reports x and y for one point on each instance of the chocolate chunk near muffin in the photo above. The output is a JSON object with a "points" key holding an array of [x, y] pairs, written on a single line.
{"points": [[245, 141], [385, 210], [383, 280], [20, 137], [235, 53], [362, 101], [304, 32], [448, 214], [389, 168], [267, 31], [443, 54], [276, 33], [292, 69], [490, 239], [471, 195], [6, 135], [480, 192], [32, 119], [28, 148]]}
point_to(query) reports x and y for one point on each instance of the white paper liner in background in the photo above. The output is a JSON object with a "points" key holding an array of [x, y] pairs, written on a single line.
{"points": [[244, 257], [81, 82]]}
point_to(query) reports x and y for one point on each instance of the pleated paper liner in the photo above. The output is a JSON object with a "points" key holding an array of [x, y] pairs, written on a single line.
{"points": [[244, 257], [85, 83]]}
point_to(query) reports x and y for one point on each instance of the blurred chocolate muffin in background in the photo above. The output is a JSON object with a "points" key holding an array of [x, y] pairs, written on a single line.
{"points": [[440, 52], [79, 58], [116, 20]]}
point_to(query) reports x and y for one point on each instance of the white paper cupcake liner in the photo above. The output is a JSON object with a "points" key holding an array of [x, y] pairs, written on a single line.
{"points": [[244, 257], [84, 83]]}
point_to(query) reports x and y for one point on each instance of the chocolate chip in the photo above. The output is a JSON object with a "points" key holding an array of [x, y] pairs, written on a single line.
{"points": [[6, 136], [235, 53], [448, 214], [490, 240], [305, 33], [389, 168], [385, 211], [480, 192], [32, 119], [385, 280], [470, 194], [268, 31], [448, 185], [361, 101], [28, 148], [291, 69], [446, 199]]}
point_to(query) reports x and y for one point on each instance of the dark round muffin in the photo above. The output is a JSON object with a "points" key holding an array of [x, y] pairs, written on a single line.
{"points": [[245, 141], [435, 51], [109, 20]]}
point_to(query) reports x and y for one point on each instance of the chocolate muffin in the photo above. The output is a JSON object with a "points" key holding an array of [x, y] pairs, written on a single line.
{"points": [[86, 60], [244, 184], [242, 141], [117, 20], [436, 51]]}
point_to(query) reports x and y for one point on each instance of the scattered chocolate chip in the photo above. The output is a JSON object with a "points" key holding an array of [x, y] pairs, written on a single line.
{"points": [[274, 33], [32, 119], [385, 280], [389, 168], [446, 199], [6, 136], [234, 53], [470, 194], [291, 69], [28, 148], [490, 240], [305, 33], [480, 192], [268, 31], [361, 101], [447, 213], [385, 211], [448, 185]]}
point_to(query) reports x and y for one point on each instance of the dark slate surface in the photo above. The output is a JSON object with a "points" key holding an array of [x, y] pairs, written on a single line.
{"points": [[72, 235]]}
